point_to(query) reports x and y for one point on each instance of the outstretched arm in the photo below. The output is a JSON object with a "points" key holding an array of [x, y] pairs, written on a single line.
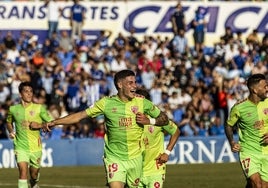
{"points": [[69, 119]]}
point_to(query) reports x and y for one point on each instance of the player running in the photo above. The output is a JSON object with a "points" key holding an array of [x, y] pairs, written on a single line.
{"points": [[124, 120], [27, 141], [251, 117]]}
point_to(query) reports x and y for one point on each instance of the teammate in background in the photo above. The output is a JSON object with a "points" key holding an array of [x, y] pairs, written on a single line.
{"points": [[124, 119], [250, 116], [27, 141], [154, 154]]}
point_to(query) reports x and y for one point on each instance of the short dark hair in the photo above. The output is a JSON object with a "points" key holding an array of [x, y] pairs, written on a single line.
{"points": [[144, 93], [121, 75], [255, 79], [24, 84]]}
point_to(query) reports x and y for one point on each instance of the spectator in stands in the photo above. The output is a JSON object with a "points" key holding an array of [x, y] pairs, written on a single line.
{"points": [[86, 130], [22, 41], [193, 74], [216, 128], [179, 44], [228, 35], [253, 38], [72, 97], [199, 26], [9, 41], [100, 130], [54, 41], [178, 19], [54, 12], [4, 93], [188, 126], [148, 76], [118, 63], [133, 41], [103, 39], [38, 59], [156, 93], [77, 19], [47, 82], [119, 41], [65, 41]]}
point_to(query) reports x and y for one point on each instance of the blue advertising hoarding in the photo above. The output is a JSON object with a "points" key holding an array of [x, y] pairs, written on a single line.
{"points": [[79, 152]]}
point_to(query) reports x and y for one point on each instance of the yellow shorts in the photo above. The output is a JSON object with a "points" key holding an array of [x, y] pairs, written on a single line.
{"points": [[33, 158], [154, 181], [254, 163], [128, 172]]}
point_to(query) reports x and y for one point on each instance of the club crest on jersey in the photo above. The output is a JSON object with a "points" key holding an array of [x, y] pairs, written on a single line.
{"points": [[259, 124], [136, 182], [151, 128], [31, 112], [134, 109], [265, 111]]}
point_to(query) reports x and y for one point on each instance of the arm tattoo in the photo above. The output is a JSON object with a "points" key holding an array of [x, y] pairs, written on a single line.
{"points": [[162, 119], [229, 133]]}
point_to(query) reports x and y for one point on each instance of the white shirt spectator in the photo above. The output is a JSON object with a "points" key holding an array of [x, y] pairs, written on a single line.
{"points": [[47, 82], [118, 65], [4, 93], [148, 78], [156, 95]]}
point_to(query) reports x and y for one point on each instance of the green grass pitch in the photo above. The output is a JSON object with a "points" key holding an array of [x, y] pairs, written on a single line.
{"points": [[223, 175]]}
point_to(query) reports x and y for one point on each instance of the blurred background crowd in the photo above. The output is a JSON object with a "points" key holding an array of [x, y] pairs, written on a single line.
{"points": [[195, 85]]}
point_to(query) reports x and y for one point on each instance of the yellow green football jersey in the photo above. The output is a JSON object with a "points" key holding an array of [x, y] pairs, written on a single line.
{"points": [[123, 137], [26, 139], [252, 121]]}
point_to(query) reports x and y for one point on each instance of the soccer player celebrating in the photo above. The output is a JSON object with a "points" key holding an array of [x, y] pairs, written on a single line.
{"points": [[154, 154], [250, 115], [27, 141], [124, 120]]}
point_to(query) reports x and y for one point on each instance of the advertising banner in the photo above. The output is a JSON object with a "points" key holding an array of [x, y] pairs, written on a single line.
{"points": [[146, 18], [90, 152]]}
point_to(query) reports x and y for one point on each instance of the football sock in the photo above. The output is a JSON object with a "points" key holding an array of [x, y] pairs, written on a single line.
{"points": [[35, 181], [22, 183]]}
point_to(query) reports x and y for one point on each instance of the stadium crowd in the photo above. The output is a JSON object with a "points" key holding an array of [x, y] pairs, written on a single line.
{"points": [[195, 88]]}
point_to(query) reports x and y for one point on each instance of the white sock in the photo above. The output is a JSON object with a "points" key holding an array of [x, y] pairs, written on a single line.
{"points": [[22, 183]]}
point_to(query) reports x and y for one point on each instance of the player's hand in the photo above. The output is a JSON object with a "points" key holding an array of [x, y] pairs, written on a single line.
{"points": [[264, 139], [34, 125], [235, 147], [162, 158], [142, 119], [45, 127], [12, 135]]}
